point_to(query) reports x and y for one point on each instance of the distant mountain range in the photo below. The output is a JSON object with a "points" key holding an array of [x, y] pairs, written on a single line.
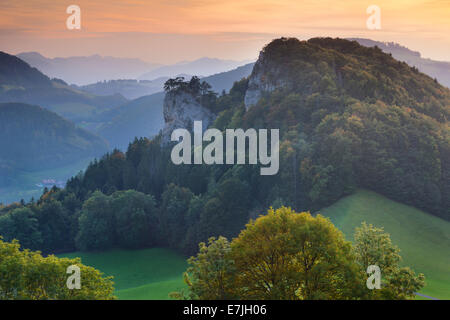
{"points": [[225, 80], [19, 82], [133, 89], [201, 67], [90, 69], [439, 70], [129, 88]]}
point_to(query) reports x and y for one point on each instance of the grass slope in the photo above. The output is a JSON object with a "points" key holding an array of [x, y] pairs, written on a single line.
{"points": [[424, 239], [139, 274]]}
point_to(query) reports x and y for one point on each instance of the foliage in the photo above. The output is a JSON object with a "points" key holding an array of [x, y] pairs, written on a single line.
{"points": [[423, 239], [201, 90], [126, 218], [286, 255], [372, 246], [26, 275], [212, 274]]}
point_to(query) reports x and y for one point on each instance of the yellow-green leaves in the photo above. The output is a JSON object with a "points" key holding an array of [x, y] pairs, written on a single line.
{"points": [[28, 275]]}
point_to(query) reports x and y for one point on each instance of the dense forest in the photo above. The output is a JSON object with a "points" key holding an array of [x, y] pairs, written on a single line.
{"points": [[349, 117]]}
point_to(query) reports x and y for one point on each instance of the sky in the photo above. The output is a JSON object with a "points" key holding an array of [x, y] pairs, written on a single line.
{"points": [[168, 31]]}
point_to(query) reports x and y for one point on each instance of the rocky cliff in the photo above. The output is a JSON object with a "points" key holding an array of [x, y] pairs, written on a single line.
{"points": [[180, 110], [265, 78]]}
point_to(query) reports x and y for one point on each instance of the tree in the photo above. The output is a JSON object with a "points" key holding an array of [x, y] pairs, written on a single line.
{"points": [[195, 85], [26, 275], [175, 204], [211, 275], [174, 84], [289, 255], [96, 224], [54, 226], [373, 246], [135, 219], [21, 224]]}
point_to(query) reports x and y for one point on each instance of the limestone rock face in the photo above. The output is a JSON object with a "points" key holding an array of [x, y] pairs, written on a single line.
{"points": [[265, 78], [180, 111]]}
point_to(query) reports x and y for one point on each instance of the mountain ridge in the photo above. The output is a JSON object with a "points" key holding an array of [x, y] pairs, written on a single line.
{"points": [[434, 68], [19, 82], [82, 70]]}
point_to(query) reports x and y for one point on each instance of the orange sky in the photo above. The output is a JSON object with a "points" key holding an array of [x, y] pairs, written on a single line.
{"points": [[173, 30]]}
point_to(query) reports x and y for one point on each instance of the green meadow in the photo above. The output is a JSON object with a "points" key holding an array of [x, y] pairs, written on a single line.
{"points": [[147, 274], [424, 239]]}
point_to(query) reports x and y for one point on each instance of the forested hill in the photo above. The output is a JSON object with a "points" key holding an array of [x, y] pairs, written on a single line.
{"points": [[349, 117], [435, 69], [342, 68], [33, 138], [355, 116], [15, 72], [21, 83]]}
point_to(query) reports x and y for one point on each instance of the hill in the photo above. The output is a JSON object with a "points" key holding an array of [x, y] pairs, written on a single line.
{"points": [[89, 69], [225, 80], [142, 117], [147, 274], [424, 240], [32, 138], [21, 83], [435, 69], [355, 117]]}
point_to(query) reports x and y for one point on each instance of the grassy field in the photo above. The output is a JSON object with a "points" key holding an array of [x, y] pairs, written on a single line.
{"points": [[424, 239], [139, 274]]}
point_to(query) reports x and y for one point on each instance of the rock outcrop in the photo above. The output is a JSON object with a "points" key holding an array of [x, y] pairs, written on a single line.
{"points": [[180, 110], [265, 78]]}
